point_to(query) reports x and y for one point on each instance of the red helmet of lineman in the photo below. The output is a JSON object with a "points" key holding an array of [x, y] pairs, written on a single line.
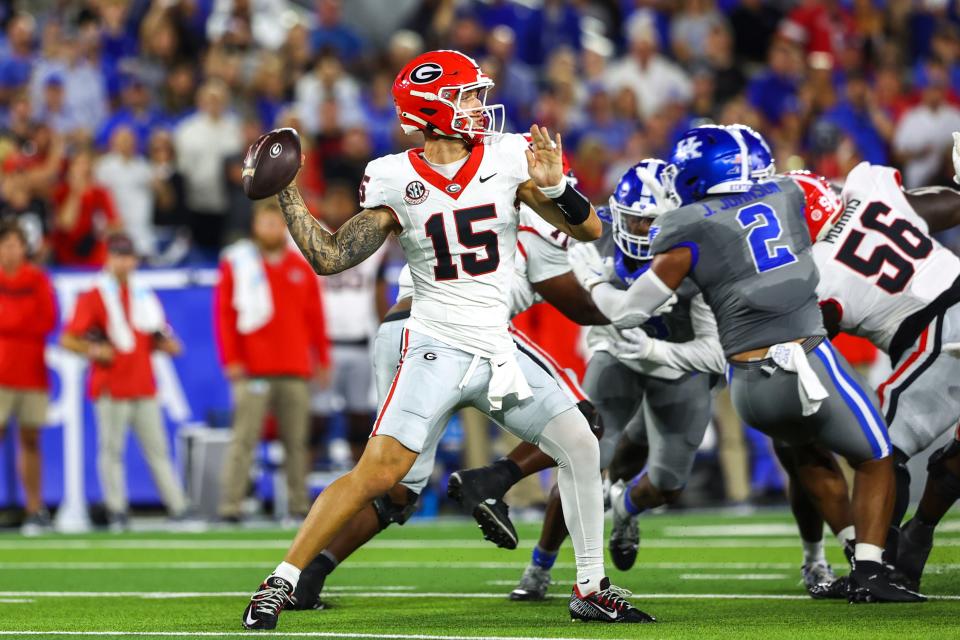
{"points": [[433, 93], [822, 206]]}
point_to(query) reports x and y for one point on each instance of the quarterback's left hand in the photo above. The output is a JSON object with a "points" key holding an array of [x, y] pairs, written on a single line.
{"points": [[588, 267], [544, 158], [635, 345]]}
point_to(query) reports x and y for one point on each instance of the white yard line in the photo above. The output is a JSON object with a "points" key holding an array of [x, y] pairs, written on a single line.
{"points": [[247, 634], [164, 595], [733, 576]]}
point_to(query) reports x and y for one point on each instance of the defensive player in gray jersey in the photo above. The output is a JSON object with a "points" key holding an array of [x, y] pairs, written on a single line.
{"points": [[746, 246]]}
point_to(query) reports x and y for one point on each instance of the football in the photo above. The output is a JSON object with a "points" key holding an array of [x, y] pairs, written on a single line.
{"points": [[271, 163]]}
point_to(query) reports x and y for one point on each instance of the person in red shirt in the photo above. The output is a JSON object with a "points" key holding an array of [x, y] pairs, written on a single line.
{"points": [[84, 215], [117, 325], [270, 325], [27, 316]]}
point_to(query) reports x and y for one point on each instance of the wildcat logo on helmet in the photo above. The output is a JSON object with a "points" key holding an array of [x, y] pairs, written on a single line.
{"points": [[688, 148], [276, 149], [426, 73], [415, 193]]}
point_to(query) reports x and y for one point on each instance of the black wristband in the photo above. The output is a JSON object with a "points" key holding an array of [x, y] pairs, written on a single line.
{"points": [[574, 207]]}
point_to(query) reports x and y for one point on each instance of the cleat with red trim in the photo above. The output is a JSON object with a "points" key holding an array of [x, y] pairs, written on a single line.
{"points": [[265, 605], [609, 604]]}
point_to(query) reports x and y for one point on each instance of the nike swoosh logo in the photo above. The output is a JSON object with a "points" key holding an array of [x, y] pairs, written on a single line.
{"points": [[610, 614], [482, 179], [248, 619]]}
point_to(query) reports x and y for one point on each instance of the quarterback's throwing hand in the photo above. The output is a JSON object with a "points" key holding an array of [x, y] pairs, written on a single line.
{"points": [[544, 158]]}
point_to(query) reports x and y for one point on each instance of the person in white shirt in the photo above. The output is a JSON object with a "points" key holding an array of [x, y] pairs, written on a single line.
{"points": [[655, 80], [130, 180], [919, 141]]}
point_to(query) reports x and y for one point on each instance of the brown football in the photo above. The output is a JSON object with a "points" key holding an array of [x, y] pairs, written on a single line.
{"points": [[271, 163]]}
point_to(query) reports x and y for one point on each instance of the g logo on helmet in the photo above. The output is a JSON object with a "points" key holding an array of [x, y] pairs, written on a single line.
{"points": [[426, 73], [275, 149]]}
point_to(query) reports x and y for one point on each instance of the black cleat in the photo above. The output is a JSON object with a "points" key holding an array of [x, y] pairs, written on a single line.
{"points": [[307, 594], [870, 582], [916, 542], [265, 605], [609, 604], [467, 488], [836, 590]]}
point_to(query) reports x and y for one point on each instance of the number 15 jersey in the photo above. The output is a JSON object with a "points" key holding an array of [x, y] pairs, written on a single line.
{"points": [[459, 236], [878, 263]]}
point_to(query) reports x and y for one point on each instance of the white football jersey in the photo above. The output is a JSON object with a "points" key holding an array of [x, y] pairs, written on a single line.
{"points": [[541, 255], [459, 236], [878, 262], [350, 300]]}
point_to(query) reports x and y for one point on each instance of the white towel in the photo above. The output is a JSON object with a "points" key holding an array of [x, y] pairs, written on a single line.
{"points": [[252, 297], [789, 356], [146, 312], [506, 378]]}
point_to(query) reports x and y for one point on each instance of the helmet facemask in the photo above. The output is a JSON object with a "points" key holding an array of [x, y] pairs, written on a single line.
{"points": [[628, 221], [463, 120]]}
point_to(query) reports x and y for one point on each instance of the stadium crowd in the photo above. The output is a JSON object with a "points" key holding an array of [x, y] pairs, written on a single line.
{"points": [[134, 115]]}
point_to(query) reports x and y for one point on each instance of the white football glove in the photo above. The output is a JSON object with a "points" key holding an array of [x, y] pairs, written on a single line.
{"points": [[667, 306], [635, 345], [588, 267], [956, 157]]}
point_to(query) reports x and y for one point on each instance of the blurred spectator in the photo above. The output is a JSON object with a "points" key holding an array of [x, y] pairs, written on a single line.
{"points": [[28, 314], [381, 115], [653, 78], [129, 179], [16, 62], [202, 142], [83, 215], [467, 35], [29, 212], [350, 162], [353, 309], [135, 113], [74, 57], [270, 89], [328, 82], [552, 25], [259, 22], [754, 23], [118, 325], [773, 92], [516, 82], [820, 26], [239, 206], [691, 27], [922, 140], [269, 351], [170, 213], [859, 116], [177, 96], [728, 78], [53, 108], [331, 34]]}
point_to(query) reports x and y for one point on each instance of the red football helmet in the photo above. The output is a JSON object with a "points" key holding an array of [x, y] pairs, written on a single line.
{"points": [[822, 205], [428, 93]]}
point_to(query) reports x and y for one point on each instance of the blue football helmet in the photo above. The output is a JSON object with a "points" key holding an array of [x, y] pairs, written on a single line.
{"points": [[709, 160], [762, 165], [640, 195]]}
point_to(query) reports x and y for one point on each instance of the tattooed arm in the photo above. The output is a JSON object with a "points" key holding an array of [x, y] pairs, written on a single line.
{"points": [[351, 244]]}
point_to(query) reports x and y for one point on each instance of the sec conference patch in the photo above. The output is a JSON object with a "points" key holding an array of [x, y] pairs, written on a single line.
{"points": [[415, 193]]}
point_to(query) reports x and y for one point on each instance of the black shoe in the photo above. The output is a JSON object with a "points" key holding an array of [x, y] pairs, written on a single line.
{"points": [[836, 590], [609, 604], [916, 542], [36, 523], [469, 489], [849, 547], [307, 594], [870, 582], [265, 605]]}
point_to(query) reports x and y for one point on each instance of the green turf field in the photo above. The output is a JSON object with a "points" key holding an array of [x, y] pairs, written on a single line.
{"points": [[440, 580]]}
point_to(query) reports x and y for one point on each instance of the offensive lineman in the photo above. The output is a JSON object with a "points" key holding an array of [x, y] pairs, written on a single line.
{"points": [[452, 205], [883, 277], [745, 245]]}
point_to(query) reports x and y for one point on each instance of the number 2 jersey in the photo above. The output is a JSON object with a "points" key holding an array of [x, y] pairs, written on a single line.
{"points": [[459, 236], [752, 261], [878, 263]]}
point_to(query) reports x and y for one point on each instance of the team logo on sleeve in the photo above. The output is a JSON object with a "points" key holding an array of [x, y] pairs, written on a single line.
{"points": [[415, 193]]}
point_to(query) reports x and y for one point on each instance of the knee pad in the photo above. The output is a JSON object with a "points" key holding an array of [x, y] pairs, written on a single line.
{"points": [[389, 512], [946, 482], [594, 419]]}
